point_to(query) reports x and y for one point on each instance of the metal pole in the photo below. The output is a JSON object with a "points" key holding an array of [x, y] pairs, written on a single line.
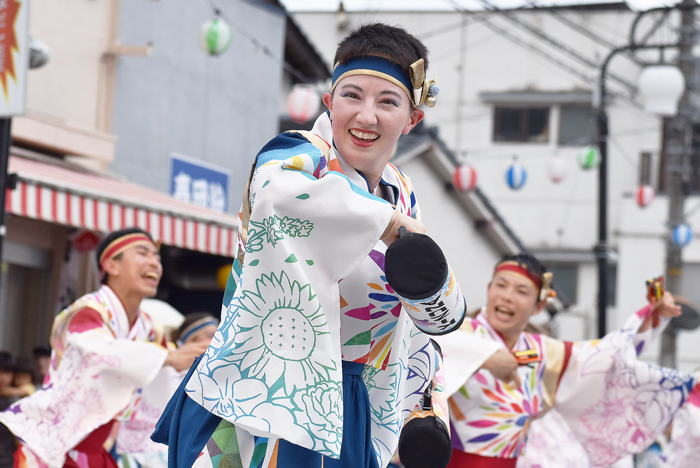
{"points": [[601, 250], [678, 146], [5, 139]]}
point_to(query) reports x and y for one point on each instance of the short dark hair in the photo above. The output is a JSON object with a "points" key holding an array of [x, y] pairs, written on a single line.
{"points": [[7, 363], [391, 42], [41, 351], [24, 365], [108, 239], [526, 260]]}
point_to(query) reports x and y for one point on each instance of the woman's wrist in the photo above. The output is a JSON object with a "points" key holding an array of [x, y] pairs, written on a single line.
{"points": [[392, 229]]}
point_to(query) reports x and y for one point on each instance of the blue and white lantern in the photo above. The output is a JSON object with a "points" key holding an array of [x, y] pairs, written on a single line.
{"points": [[682, 235], [516, 176]]}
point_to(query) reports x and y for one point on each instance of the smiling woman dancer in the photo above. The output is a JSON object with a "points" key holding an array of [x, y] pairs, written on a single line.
{"points": [[317, 361]]}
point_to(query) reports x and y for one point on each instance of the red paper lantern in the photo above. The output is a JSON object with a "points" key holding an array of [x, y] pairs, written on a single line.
{"points": [[644, 195], [303, 104], [85, 241], [464, 178]]}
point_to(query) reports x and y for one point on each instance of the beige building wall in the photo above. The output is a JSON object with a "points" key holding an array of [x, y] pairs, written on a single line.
{"points": [[68, 99]]}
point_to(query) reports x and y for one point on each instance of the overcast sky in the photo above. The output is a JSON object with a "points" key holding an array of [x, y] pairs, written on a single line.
{"points": [[433, 5]]}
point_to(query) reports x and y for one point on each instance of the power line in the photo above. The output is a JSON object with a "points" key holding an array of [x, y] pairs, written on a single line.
{"points": [[538, 51], [258, 45], [573, 25], [532, 48], [556, 44]]}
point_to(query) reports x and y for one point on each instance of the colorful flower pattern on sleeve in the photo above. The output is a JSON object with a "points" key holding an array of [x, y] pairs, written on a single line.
{"points": [[489, 417]]}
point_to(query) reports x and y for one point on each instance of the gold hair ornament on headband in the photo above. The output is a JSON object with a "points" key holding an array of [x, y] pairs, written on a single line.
{"points": [[424, 91], [547, 292]]}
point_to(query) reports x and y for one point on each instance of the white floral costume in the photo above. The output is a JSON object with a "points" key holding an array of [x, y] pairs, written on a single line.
{"points": [[313, 262]]}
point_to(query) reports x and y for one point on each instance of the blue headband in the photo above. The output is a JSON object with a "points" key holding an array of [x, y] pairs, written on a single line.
{"points": [[417, 88], [192, 330], [375, 66]]}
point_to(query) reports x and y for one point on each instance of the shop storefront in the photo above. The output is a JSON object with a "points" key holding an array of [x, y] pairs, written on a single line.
{"points": [[55, 216]]}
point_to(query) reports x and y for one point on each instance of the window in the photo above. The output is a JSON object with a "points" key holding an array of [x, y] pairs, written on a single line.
{"points": [[521, 124], [564, 280], [576, 126]]}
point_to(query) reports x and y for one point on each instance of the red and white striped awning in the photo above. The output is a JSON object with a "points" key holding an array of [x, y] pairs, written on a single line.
{"points": [[56, 194]]}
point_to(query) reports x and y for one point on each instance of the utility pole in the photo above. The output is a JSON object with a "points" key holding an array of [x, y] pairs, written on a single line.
{"points": [[678, 138]]}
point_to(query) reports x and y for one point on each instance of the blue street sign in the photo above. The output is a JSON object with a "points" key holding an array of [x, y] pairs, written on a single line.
{"points": [[198, 182]]}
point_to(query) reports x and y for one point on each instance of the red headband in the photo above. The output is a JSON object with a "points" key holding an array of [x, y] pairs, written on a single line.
{"points": [[120, 244], [516, 267]]}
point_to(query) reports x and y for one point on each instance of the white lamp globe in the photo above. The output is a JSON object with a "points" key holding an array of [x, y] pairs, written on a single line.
{"points": [[661, 87]]}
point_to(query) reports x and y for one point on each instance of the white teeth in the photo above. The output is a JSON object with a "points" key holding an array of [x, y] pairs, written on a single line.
{"points": [[364, 136], [151, 276]]}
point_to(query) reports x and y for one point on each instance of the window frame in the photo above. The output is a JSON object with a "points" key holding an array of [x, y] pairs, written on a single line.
{"points": [[524, 122]]}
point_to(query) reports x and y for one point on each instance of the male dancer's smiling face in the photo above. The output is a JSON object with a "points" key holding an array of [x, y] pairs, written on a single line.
{"points": [[138, 269], [368, 115], [511, 300]]}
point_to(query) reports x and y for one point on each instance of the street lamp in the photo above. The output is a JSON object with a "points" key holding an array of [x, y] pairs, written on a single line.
{"points": [[661, 87]]}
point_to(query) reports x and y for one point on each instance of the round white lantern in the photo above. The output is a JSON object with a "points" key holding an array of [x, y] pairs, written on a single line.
{"points": [[215, 36], [661, 87], [464, 178], [557, 169], [644, 195], [303, 104]]}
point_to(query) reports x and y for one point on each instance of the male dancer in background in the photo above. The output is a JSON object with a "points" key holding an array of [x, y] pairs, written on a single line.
{"points": [[105, 349]]}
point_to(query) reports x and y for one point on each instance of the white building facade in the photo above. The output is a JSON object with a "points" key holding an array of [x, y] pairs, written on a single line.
{"points": [[520, 85]]}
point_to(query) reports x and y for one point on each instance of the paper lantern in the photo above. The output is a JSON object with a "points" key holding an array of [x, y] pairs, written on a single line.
{"points": [[661, 87], [215, 37], [303, 104], [85, 241], [222, 275], [644, 195], [557, 169], [589, 158], [682, 235], [464, 178], [516, 176]]}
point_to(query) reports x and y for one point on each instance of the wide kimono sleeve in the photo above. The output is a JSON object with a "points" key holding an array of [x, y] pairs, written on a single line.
{"points": [[277, 349], [94, 381], [683, 450], [614, 403], [464, 352]]}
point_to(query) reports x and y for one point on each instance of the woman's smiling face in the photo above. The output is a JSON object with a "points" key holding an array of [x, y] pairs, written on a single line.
{"points": [[368, 115]]}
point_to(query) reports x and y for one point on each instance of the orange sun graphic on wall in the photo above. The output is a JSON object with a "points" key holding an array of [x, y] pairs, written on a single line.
{"points": [[8, 41]]}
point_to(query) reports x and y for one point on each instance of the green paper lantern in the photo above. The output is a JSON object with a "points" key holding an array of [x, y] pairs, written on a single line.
{"points": [[589, 158], [215, 36]]}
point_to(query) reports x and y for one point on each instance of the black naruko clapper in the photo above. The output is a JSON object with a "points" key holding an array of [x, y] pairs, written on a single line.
{"points": [[425, 442], [415, 266]]}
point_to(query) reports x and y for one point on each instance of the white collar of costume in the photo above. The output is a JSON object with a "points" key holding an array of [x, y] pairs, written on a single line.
{"points": [[522, 342], [119, 319]]}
